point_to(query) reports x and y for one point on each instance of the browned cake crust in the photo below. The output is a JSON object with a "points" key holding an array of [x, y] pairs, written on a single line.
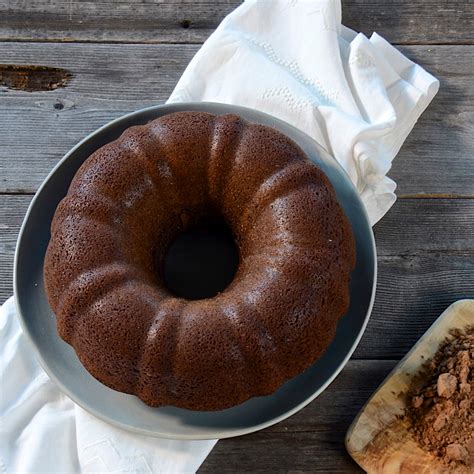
{"points": [[123, 208]]}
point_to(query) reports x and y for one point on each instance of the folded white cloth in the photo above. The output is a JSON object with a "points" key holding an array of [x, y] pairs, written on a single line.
{"points": [[42, 430], [358, 98]]}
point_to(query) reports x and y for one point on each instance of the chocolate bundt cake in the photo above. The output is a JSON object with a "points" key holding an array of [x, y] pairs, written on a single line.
{"points": [[122, 211]]}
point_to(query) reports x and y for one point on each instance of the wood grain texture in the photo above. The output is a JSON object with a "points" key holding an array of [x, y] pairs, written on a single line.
{"points": [[38, 128], [411, 292], [154, 21], [311, 440], [437, 156], [426, 226], [12, 212], [418, 277], [309, 452]]}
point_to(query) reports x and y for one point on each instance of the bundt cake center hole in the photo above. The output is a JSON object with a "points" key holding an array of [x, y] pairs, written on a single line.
{"points": [[202, 260]]}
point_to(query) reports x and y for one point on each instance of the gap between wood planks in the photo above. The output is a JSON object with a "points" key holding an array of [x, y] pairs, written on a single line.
{"points": [[198, 42], [435, 196]]}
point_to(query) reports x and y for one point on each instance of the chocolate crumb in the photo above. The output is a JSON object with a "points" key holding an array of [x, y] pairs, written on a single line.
{"points": [[456, 452], [447, 384], [439, 422]]}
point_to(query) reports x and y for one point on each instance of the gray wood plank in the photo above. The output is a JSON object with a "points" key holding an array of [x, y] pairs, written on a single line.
{"points": [[400, 21], [37, 128], [419, 276], [12, 212], [336, 407], [308, 452], [435, 226], [412, 291], [437, 156], [311, 440]]}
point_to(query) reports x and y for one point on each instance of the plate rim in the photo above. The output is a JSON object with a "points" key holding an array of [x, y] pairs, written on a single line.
{"points": [[231, 432]]}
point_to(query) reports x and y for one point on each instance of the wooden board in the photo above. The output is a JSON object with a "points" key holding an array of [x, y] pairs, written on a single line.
{"points": [[379, 440], [147, 21]]}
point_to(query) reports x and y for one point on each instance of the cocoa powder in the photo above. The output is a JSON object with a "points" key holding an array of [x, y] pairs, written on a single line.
{"points": [[441, 403]]}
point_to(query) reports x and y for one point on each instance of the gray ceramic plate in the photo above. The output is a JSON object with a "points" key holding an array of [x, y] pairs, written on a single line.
{"points": [[59, 359]]}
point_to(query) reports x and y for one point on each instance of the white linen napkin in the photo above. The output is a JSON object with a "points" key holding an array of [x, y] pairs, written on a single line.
{"points": [[358, 98], [42, 430]]}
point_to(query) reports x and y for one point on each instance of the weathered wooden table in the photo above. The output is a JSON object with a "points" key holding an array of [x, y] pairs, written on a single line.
{"points": [[127, 54]]}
